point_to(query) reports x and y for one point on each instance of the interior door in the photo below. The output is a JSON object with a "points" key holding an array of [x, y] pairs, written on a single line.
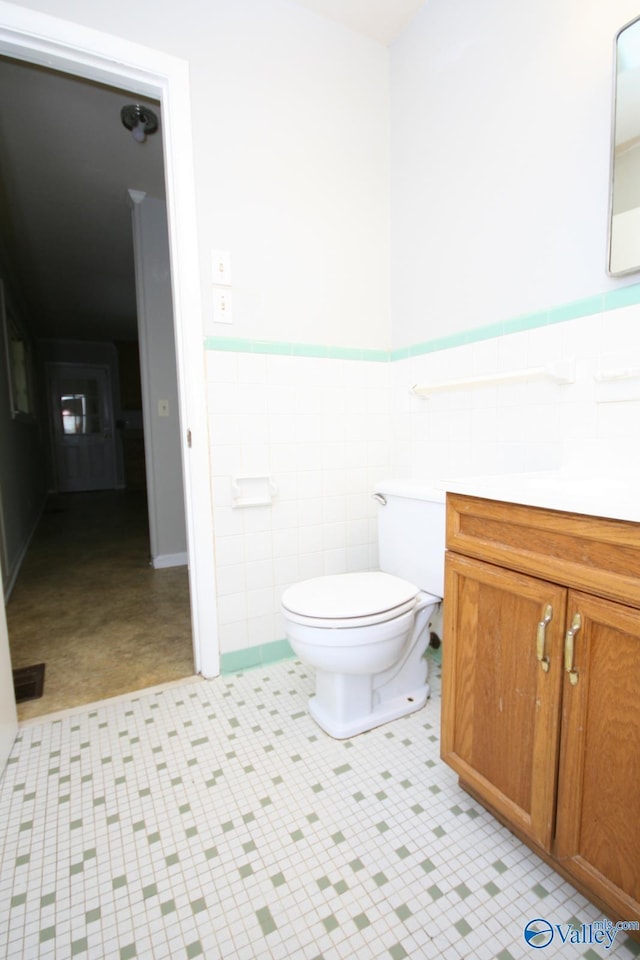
{"points": [[82, 427], [8, 710]]}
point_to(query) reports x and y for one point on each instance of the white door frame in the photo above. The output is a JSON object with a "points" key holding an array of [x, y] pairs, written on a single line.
{"points": [[61, 45]]}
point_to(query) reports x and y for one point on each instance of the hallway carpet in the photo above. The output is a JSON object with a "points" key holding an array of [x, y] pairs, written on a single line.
{"points": [[88, 604]]}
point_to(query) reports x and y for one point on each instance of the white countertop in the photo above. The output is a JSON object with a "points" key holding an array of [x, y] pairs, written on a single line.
{"points": [[614, 496]]}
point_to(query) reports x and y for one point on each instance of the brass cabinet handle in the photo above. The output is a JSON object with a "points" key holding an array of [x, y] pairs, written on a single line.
{"points": [[576, 623], [541, 637]]}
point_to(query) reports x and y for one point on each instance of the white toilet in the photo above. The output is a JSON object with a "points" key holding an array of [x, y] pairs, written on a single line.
{"points": [[365, 634]]}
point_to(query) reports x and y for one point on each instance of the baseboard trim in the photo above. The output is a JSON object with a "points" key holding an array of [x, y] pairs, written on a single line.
{"points": [[169, 560], [12, 574], [236, 661]]}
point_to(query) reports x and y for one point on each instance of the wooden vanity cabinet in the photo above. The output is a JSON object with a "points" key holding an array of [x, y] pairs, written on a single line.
{"points": [[541, 685], [597, 834]]}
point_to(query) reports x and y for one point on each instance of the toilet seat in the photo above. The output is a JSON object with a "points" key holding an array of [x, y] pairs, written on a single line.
{"points": [[349, 600]]}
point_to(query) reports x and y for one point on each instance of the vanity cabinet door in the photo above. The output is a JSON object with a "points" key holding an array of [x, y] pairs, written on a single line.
{"points": [[598, 833], [501, 704]]}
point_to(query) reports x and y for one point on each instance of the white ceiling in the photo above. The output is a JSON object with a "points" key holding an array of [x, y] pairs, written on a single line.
{"points": [[382, 20], [66, 164]]}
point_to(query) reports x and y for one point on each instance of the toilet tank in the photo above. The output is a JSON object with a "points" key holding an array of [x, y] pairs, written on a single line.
{"points": [[411, 533]]}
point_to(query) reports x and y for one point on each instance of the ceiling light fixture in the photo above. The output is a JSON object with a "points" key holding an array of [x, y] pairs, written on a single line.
{"points": [[140, 120]]}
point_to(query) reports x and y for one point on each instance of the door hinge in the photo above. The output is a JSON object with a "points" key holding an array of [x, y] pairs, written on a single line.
{"points": [[188, 438]]}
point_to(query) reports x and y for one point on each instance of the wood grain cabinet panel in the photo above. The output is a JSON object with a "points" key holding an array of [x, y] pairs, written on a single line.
{"points": [[500, 707], [541, 685], [598, 832]]}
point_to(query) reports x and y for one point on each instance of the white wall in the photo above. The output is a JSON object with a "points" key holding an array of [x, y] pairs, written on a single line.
{"points": [[23, 463], [290, 121], [500, 144], [165, 489]]}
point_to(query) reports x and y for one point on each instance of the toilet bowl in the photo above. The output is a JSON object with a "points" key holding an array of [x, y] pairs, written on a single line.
{"points": [[365, 634]]}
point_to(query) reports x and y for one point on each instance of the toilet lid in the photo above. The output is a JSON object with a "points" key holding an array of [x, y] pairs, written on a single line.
{"points": [[349, 596]]}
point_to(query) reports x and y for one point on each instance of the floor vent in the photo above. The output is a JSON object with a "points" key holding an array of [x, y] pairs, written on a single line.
{"points": [[28, 682]]}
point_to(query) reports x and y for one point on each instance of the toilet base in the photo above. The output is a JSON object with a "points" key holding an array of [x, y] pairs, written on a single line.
{"points": [[383, 712]]}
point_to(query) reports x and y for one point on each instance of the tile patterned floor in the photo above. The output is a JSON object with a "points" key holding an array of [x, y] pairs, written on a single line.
{"points": [[215, 820]]}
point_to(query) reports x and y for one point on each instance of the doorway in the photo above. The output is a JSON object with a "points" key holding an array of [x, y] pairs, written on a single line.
{"points": [[74, 621], [81, 425], [38, 38]]}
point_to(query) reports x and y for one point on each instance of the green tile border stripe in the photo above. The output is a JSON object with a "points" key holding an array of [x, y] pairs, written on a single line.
{"points": [[587, 306], [259, 656], [284, 349]]}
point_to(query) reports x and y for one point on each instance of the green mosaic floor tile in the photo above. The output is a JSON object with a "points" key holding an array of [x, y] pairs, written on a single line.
{"points": [[540, 891], [343, 768], [398, 952], [266, 921], [330, 923], [381, 847], [462, 890]]}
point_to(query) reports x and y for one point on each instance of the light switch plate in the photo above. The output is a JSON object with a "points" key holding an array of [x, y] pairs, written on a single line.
{"points": [[222, 306], [221, 268]]}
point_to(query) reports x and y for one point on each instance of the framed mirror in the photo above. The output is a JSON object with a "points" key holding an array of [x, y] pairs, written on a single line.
{"points": [[624, 199]]}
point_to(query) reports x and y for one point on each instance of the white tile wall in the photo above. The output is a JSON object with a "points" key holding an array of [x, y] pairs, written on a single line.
{"points": [[522, 426], [321, 429], [326, 430]]}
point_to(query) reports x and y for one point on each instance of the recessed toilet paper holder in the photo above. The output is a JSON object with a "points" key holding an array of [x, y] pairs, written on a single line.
{"points": [[253, 491]]}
